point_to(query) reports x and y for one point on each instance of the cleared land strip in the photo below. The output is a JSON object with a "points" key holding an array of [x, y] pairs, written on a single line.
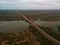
{"points": [[44, 34]]}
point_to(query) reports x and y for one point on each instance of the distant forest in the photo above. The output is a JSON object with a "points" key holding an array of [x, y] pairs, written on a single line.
{"points": [[43, 15]]}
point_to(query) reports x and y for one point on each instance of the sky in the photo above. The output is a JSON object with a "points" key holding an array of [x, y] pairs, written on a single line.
{"points": [[29, 4]]}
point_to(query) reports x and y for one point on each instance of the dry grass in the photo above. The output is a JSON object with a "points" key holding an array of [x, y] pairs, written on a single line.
{"points": [[19, 38]]}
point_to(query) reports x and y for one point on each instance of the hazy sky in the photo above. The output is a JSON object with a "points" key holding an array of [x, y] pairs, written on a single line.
{"points": [[29, 4]]}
